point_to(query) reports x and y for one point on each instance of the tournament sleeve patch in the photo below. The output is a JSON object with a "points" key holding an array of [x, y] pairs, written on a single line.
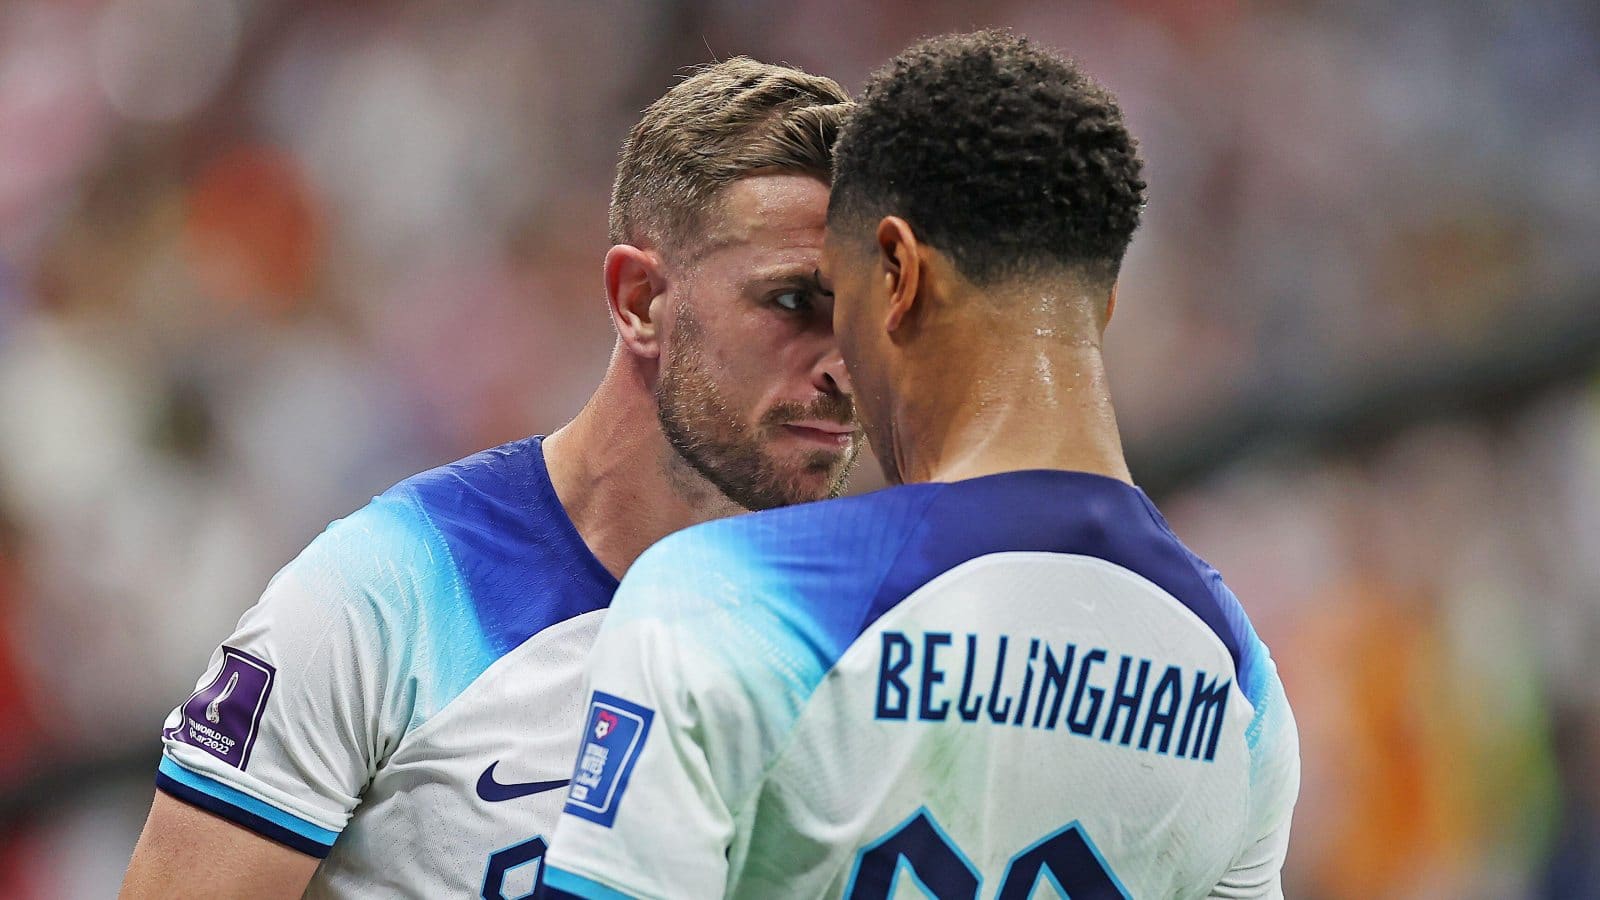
{"points": [[611, 742], [223, 717]]}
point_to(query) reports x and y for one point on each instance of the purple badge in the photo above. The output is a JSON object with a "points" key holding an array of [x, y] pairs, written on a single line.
{"points": [[223, 717]]}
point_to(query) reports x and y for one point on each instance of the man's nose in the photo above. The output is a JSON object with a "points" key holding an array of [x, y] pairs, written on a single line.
{"points": [[831, 376]]}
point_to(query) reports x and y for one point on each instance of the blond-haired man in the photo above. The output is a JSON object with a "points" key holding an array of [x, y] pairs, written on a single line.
{"points": [[398, 713]]}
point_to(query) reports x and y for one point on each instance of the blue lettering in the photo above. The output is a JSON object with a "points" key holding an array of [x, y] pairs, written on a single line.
{"points": [[1107, 708], [998, 716], [896, 646], [1171, 687], [1054, 675], [1085, 727], [1123, 700], [1207, 703], [931, 642], [1027, 681], [970, 713]]}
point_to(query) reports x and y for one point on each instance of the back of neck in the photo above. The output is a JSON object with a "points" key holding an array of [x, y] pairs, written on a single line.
{"points": [[1045, 409]]}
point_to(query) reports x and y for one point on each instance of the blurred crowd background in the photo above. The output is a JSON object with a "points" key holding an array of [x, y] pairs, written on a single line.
{"points": [[259, 260]]}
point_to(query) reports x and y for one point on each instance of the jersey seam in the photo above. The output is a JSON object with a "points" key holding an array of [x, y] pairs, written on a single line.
{"points": [[789, 734], [1238, 662], [1191, 560], [1258, 712]]}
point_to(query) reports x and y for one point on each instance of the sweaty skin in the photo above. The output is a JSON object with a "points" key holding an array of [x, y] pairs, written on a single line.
{"points": [[943, 390]]}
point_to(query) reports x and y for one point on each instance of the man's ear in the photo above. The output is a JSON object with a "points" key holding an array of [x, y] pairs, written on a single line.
{"points": [[900, 255], [1111, 305], [634, 282]]}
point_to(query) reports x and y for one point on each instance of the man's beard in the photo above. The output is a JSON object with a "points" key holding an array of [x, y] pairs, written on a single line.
{"points": [[711, 437]]}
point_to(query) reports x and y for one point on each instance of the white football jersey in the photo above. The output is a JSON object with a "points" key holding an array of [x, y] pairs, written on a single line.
{"points": [[404, 700], [1015, 686]]}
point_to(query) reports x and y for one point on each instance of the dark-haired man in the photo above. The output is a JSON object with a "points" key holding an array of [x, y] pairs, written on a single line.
{"points": [[404, 699], [1008, 671]]}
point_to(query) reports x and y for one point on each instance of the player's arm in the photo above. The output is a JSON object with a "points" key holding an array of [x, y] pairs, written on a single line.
{"points": [[644, 816], [187, 852], [1258, 870], [674, 742], [688, 702], [263, 764]]}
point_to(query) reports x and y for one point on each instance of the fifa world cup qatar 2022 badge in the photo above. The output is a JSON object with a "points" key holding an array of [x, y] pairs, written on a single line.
{"points": [[223, 717], [611, 742]]}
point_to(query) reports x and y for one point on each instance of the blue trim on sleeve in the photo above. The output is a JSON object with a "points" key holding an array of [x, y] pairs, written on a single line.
{"points": [[560, 884], [242, 809]]}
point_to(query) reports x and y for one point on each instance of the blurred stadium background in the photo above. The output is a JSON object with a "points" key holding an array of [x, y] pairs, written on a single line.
{"points": [[258, 260]]}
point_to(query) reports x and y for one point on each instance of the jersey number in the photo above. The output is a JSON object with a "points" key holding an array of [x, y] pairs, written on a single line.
{"points": [[1067, 858], [514, 857]]}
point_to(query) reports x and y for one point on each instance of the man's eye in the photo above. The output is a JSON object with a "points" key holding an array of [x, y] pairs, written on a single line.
{"points": [[792, 301]]}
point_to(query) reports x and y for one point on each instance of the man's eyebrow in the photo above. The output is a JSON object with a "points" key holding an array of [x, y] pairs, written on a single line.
{"points": [[789, 275]]}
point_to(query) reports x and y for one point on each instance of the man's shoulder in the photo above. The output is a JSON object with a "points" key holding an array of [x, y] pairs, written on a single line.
{"points": [[820, 547], [503, 487], [445, 573], [482, 540], [791, 586], [469, 490]]}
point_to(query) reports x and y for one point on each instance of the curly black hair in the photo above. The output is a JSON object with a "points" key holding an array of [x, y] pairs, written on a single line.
{"points": [[1000, 153]]}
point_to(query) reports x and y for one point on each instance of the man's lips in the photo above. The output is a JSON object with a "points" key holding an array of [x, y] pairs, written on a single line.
{"points": [[828, 434]]}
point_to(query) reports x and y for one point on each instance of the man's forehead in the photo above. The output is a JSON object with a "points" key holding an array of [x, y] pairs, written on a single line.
{"points": [[777, 210]]}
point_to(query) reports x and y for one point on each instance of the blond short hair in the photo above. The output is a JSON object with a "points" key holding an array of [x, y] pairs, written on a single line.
{"points": [[726, 121]]}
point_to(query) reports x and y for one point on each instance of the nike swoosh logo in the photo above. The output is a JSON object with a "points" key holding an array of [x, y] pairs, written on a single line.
{"points": [[495, 792]]}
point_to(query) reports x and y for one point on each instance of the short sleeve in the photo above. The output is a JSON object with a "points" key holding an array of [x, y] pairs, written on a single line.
{"points": [[692, 684], [645, 815], [716, 642], [1274, 787], [301, 703]]}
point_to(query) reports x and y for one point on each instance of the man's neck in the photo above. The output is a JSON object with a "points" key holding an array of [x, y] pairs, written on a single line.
{"points": [[1042, 404], [620, 482]]}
